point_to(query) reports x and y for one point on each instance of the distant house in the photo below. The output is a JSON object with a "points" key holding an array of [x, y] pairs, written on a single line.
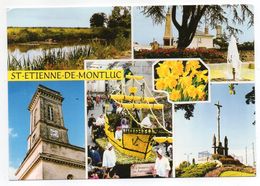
{"points": [[204, 156], [202, 40]]}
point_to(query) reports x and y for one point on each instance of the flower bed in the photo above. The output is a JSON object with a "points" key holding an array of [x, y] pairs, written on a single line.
{"points": [[195, 170], [207, 55], [217, 172]]}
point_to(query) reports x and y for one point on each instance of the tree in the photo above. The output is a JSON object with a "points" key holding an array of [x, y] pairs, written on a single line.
{"points": [[184, 164], [98, 20], [191, 17], [250, 98], [120, 17], [188, 108]]}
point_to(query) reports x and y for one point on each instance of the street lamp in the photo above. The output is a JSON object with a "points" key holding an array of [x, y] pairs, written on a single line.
{"points": [[188, 156]]}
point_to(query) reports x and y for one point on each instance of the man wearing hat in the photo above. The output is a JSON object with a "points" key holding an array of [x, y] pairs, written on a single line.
{"points": [[162, 165], [109, 158]]}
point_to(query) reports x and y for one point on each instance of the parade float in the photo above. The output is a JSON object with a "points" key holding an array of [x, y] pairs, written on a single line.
{"points": [[137, 139]]}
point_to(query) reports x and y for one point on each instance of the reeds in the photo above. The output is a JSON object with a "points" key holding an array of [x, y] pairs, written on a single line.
{"points": [[52, 59]]}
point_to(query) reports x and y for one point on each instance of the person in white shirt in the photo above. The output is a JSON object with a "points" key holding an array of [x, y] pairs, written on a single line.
{"points": [[124, 123], [100, 125], [118, 133], [109, 157], [162, 165], [100, 120]]}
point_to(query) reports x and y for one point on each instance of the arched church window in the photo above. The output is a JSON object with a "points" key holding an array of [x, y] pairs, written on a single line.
{"points": [[69, 177], [50, 113]]}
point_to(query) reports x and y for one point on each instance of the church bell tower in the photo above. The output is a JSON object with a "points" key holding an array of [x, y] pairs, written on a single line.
{"points": [[46, 118], [50, 155]]}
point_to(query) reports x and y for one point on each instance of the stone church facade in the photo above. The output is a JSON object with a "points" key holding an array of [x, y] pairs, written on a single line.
{"points": [[49, 154]]}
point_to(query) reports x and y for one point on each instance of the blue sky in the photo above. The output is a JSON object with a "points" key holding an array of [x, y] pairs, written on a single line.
{"points": [[19, 97], [195, 135], [145, 30], [53, 17]]}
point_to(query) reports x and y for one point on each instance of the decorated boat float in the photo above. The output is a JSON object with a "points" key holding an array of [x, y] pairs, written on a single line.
{"points": [[137, 139]]}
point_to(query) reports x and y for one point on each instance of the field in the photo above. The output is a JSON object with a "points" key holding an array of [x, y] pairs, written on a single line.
{"points": [[59, 34], [44, 48]]}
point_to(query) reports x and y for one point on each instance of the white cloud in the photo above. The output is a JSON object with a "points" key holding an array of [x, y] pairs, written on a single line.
{"points": [[12, 133], [12, 171]]}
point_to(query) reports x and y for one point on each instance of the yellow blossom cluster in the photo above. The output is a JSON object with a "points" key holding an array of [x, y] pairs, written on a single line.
{"points": [[183, 80]]}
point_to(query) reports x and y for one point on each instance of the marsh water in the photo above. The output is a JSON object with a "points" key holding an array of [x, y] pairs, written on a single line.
{"points": [[31, 52]]}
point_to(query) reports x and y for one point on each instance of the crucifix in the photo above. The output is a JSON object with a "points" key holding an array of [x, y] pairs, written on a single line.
{"points": [[218, 121]]}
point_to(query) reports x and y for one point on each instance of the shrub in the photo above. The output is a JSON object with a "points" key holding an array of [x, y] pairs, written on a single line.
{"points": [[196, 170], [208, 55], [59, 34]]}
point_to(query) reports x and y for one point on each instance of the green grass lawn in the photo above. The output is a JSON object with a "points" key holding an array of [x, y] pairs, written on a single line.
{"points": [[235, 174], [218, 72]]}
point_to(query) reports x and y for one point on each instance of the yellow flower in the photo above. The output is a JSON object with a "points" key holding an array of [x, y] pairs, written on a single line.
{"points": [[172, 83], [201, 87], [160, 84], [201, 92], [191, 92], [185, 81], [163, 70], [192, 65], [201, 75], [175, 95], [193, 73], [175, 66], [170, 63]]}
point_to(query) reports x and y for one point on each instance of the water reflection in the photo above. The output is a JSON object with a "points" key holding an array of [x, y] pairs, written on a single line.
{"points": [[33, 52]]}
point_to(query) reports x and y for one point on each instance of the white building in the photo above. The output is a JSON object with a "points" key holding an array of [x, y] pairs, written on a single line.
{"points": [[202, 40]]}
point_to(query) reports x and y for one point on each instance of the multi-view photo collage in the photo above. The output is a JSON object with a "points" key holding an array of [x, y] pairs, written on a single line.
{"points": [[185, 106]]}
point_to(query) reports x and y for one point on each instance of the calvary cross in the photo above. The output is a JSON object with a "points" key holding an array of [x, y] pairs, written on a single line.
{"points": [[218, 121]]}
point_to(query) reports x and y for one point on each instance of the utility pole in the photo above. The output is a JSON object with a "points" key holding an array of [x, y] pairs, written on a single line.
{"points": [[253, 153], [188, 156], [246, 154]]}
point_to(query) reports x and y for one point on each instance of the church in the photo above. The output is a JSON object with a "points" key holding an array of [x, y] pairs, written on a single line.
{"points": [[49, 153]]}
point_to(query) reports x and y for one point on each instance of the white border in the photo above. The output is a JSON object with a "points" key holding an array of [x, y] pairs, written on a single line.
{"points": [[4, 164]]}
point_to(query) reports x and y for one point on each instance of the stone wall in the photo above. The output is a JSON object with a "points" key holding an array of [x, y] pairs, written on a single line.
{"points": [[55, 171], [65, 151], [35, 173]]}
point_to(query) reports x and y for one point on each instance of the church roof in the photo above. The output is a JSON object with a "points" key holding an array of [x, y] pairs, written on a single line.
{"points": [[43, 90]]}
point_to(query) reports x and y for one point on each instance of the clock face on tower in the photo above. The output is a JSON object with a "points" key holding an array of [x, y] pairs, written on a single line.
{"points": [[54, 133]]}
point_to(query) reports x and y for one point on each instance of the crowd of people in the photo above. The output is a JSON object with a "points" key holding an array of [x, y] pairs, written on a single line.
{"points": [[102, 166], [103, 162], [96, 100]]}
